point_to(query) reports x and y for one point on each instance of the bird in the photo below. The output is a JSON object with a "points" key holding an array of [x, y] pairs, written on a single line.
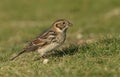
{"points": [[49, 39]]}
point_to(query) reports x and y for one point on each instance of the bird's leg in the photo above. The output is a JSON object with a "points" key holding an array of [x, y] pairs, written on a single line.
{"points": [[45, 61], [42, 55]]}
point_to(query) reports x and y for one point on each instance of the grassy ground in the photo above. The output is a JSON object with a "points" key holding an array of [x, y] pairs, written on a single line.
{"points": [[92, 48]]}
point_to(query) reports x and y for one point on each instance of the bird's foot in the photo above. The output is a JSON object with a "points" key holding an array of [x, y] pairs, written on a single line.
{"points": [[38, 58]]}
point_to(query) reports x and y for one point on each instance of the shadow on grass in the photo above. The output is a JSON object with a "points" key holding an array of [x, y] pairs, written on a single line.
{"points": [[71, 50]]}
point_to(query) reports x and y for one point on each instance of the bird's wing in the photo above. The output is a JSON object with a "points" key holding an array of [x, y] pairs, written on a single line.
{"points": [[41, 40]]}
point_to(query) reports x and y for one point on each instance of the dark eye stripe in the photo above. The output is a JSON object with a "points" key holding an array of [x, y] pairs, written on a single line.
{"points": [[60, 27]]}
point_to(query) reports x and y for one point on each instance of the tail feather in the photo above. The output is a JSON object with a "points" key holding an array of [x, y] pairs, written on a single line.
{"points": [[18, 54]]}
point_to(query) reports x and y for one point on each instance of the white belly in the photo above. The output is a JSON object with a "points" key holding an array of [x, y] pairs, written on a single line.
{"points": [[47, 48]]}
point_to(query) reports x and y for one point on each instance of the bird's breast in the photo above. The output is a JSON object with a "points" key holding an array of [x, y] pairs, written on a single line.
{"points": [[61, 38]]}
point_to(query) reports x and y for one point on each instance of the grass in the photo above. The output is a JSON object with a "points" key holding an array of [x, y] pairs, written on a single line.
{"points": [[92, 48]]}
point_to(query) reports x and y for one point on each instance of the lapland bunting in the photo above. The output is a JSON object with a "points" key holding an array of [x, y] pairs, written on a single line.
{"points": [[48, 40]]}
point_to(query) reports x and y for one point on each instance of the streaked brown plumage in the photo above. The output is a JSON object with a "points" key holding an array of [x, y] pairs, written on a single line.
{"points": [[49, 39]]}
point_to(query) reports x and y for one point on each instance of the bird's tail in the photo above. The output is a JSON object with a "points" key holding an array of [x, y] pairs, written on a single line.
{"points": [[18, 54]]}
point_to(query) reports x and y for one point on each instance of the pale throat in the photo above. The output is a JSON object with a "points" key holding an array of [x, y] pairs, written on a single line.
{"points": [[61, 30]]}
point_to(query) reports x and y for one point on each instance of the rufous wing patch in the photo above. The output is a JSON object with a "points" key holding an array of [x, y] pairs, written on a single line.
{"points": [[38, 42]]}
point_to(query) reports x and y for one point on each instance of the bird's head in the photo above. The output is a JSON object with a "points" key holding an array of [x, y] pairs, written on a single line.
{"points": [[61, 25]]}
